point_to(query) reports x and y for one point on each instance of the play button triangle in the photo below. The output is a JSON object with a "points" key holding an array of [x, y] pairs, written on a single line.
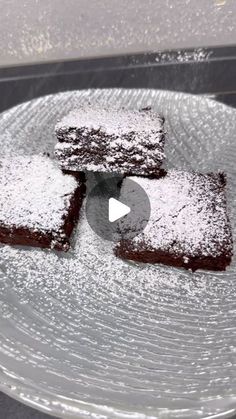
{"points": [[117, 210]]}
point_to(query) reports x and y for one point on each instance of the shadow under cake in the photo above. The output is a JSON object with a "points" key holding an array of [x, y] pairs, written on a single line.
{"points": [[39, 205], [189, 225]]}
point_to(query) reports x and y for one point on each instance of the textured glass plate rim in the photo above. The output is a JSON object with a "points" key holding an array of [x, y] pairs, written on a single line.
{"points": [[64, 407]]}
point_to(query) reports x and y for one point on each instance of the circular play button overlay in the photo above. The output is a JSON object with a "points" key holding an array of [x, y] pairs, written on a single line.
{"points": [[117, 208]]}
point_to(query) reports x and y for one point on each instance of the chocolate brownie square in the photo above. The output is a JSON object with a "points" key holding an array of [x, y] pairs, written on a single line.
{"points": [[189, 225], [39, 205], [111, 140]]}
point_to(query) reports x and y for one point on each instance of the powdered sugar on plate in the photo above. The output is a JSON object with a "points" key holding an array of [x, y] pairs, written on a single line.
{"points": [[106, 333]]}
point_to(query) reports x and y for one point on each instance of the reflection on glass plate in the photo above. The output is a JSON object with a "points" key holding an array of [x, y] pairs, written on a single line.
{"points": [[84, 334]]}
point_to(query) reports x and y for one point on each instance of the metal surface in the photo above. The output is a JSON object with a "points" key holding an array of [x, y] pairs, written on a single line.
{"points": [[209, 71], [36, 31], [85, 333]]}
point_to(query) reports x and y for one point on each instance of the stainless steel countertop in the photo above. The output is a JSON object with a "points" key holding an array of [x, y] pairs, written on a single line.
{"points": [[36, 31]]}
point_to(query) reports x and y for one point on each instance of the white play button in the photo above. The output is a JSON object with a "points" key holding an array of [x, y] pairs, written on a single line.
{"points": [[117, 210], [113, 214]]}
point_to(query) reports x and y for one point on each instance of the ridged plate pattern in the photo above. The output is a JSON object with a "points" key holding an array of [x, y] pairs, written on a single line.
{"points": [[84, 334]]}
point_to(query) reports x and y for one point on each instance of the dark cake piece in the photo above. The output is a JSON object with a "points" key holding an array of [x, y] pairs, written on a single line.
{"points": [[189, 224], [111, 140], [39, 205]]}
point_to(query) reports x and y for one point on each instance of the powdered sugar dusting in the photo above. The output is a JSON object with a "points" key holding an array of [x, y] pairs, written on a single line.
{"points": [[111, 121], [146, 162], [100, 139], [188, 214], [184, 56], [48, 271], [34, 193], [132, 336]]}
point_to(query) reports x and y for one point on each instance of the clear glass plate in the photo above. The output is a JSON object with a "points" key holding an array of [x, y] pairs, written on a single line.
{"points": [[84, 334]]}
